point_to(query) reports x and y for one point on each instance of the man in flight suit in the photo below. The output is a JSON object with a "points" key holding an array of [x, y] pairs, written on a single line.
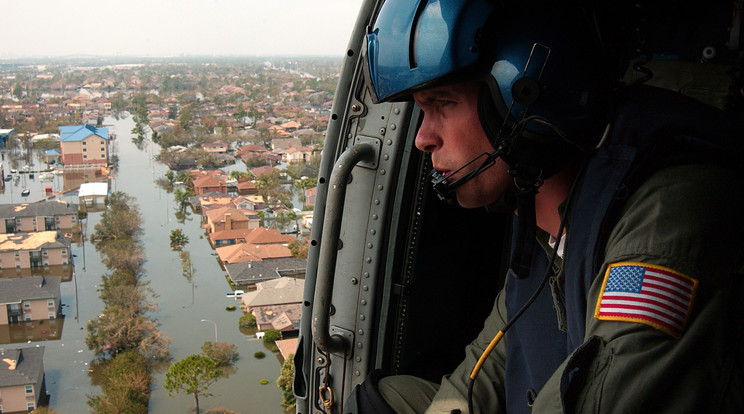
{"points": [[628, 204]]}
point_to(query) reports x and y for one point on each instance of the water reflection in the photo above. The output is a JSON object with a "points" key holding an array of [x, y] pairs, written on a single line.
{"points": [[33, 331]]}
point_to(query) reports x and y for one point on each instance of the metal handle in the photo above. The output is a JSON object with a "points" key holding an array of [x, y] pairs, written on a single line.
{"points": [[329, 245]]}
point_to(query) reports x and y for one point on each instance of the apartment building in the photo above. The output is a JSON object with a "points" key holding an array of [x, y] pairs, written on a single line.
{"points": [[84, 145], [32, 250], [41, 216], [25, 299], [22, 384]]}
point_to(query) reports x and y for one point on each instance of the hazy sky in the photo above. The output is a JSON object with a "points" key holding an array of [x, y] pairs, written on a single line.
{"points": [[175, 27]]}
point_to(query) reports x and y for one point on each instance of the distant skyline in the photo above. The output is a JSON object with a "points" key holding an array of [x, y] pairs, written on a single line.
{"points": [[50, 28]]}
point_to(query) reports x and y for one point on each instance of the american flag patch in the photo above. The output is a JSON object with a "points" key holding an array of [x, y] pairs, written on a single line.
{"points": [[649, 294]]}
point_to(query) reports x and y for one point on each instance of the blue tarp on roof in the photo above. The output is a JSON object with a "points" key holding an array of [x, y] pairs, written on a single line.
{"points": [[80, 132], [51, 152]]}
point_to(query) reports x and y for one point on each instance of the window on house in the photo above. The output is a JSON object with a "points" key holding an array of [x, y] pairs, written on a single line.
{"points": [[85, 149], [85, 156], [29, 389], [52, 315], [30, 406], [50, 302], [102, 142], [28, 317], [26, 304], [16, 254], [84, 142]]}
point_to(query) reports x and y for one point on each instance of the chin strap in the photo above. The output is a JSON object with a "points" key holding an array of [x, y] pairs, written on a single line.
{"points": [[527, 182]]}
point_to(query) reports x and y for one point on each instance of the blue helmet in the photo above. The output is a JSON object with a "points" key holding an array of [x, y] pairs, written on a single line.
{"points": [[543, 65]]}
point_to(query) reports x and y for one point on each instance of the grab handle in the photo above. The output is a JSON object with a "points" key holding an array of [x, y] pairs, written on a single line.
{"points": [[329, 245]]}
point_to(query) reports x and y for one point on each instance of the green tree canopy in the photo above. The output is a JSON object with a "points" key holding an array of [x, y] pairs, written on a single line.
{"points": [[222, 353], [192, 375], [178, 239], [284, 382]]}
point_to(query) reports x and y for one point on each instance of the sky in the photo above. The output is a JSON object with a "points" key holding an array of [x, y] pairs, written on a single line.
{"points": [[49, 28]]}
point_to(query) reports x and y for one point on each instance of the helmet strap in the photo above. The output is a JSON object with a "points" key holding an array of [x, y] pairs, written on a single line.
{"points": [[527, 182]]}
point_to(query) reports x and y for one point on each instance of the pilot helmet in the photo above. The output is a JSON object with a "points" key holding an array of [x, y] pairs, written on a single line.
{"points": [[546, 69]]}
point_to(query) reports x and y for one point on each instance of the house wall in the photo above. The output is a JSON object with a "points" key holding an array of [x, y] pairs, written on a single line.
{"points": [[234, 225], [39, 309], [207, 189], [14, 398], [50, 257], [30, 224], [34, 310], [60, 256]]}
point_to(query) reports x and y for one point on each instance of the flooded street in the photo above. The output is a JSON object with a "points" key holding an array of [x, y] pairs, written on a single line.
{"points": [[182, 305]]}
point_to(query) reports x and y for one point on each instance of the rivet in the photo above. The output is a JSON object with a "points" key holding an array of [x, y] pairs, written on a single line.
{"points": [[382, 131], [368, 260], [382, 172], [369, 246], [365, 274], [354, 281], [365, 287], [374, 216], [321, 361], [358, 359], [392, 126], [364, 301], [377, 202], [396, 111], [360, 345], [389, 142], [373, 232], [362, 317], [385, 157], [361, 331], [357, 373], [380, 187], [355, 107]]}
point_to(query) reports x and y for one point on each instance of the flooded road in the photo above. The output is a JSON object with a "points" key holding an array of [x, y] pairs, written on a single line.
{"points": [[182, 305]]}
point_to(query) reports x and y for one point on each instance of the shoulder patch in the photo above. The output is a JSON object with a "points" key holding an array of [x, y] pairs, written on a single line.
{"points": [[648, 294]]}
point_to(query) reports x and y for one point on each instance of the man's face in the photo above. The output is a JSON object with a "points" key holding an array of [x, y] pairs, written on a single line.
{"points": [[453, 135]]}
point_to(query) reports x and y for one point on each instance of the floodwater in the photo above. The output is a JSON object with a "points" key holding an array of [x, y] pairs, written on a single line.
{"points": [[182, 305]]}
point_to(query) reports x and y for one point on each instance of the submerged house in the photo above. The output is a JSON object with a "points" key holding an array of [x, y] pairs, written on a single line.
{"points": [[41, 216], [25, 299]]}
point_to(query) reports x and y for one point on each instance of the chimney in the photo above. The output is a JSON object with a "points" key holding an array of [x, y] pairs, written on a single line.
{"points": [[228, 221]]}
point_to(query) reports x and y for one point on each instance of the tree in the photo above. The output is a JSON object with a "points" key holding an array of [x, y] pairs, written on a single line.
{"points": [[124, 324], [222, 353], [192, 375], [121, 219], [178, 240], [272, 335], [284, 382], [125, 382], [122, 254], [299, 248], [247, 321]]}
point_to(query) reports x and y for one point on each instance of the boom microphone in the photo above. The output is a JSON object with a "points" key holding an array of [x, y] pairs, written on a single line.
{"points": [[445, 190]]}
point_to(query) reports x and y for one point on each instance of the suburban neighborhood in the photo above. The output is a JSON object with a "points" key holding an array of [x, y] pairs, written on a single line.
{"points": [[240, 143]]}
